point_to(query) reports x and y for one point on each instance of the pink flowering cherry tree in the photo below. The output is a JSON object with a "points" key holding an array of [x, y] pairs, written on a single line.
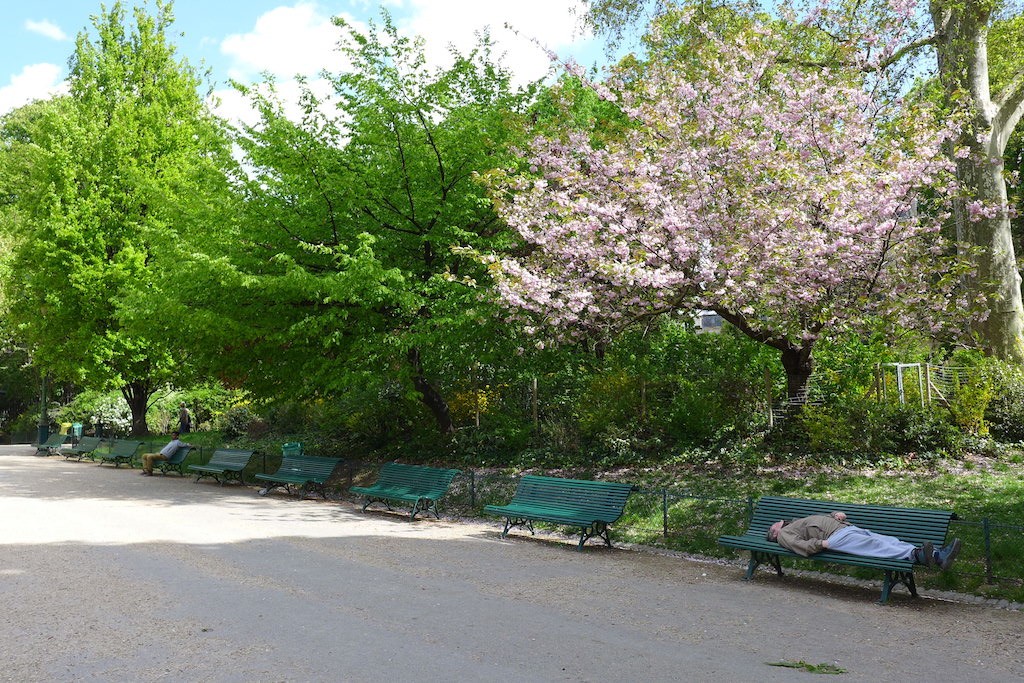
{"points": [[784, 198]]}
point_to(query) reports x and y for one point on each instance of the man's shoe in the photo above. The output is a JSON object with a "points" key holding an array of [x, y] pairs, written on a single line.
{"points": [[925, 554], [947, 553]]}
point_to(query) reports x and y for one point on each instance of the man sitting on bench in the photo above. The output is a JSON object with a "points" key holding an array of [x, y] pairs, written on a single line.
{"points": [[148, 459], [809, 535]]}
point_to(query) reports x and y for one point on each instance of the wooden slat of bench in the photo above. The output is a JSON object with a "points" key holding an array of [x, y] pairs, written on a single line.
{"points": [[585, 500], [122, 451], [225, 464], [760, 544], [52, 444], [83, 449], [176, 462], [912, 525], [417, 484], [589, 505], [309, 471]]}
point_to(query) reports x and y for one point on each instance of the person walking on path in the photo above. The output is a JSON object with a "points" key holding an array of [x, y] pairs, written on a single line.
{"points": [[809, 535], [184, 419], [148, 459]]}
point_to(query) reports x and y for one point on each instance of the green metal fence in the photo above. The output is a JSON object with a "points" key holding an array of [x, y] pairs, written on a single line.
{"points": [[692, 522]]}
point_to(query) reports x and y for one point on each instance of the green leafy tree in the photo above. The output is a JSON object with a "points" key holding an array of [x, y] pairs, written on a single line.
{"points": [[98, 183], [343, 269]]}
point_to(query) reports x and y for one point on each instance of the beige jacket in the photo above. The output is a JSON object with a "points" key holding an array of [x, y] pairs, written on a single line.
{"points": [[804, 536]]}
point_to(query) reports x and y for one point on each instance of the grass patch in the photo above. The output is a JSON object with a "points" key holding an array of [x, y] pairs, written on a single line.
{"points": [[810, 668]]}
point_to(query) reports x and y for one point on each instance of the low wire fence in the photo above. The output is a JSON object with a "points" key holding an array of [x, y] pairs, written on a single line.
{"points": [[692, 522]]}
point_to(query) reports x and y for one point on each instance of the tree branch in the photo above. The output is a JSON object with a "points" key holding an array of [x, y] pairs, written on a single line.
{"points": [[1010, 108], [880, 66], [767, 338], [903, 51]]}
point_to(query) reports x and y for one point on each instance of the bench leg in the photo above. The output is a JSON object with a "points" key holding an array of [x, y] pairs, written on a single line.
{"points": [[598, 529], [423, 505], [270, 486], [370, 501], [517, 521], [886, 588], [892, 578], [757, 558]]}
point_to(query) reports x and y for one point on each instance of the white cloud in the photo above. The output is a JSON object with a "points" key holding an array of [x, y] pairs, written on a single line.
{"points": [[46, 28], [300, 39], [234, 107], [534, 25], [285, 41], [35, 82]]}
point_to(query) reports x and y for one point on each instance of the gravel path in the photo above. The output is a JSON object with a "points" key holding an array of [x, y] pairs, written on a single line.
{"points": [[109, 576]]}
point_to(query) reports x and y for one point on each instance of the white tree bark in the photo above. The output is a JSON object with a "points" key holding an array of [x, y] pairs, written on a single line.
{"points": [[962, 45]]}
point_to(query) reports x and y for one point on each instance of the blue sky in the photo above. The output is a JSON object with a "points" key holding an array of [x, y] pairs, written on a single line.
{"points": [[240, 39]]}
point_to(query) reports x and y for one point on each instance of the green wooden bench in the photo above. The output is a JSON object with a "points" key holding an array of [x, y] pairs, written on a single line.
{"points": [[589, 505], [303, 471], [52, 445], [175, 463], [421, 486], [85, 448], [225, 464], [121, 451], [913, 525]]}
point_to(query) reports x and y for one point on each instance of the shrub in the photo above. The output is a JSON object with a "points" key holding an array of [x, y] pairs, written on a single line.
{"points": [[90, 407], [1005, 413], [973, 390], [867, 430], [236, 420]]}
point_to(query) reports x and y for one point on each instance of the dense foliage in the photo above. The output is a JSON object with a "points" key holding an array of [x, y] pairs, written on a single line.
{"points": [[100, 180], [339, 273], [318, 274]]}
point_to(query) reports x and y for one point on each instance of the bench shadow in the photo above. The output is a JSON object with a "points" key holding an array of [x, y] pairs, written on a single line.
{"points": [[818, 586]]}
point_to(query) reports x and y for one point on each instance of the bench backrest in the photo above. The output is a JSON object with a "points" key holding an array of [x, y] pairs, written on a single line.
{"points": [[601, 501], [87, 444], [428, 482], [54, 441], [315, 468], [291, 448], [179, 455], [122, 448], [229, 457], [913, 525]]}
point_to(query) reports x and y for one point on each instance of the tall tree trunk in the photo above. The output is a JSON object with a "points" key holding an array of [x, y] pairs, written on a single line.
{"points": [[429, 394], [799, 365], [137, 394], [996, 277], [962, 45]]}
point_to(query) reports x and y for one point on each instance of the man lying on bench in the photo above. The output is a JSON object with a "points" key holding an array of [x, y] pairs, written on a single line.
{"points": [[809, 535]]}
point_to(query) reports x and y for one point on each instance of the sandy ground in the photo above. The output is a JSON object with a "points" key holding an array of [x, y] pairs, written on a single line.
{"points": [[109, 576]]}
